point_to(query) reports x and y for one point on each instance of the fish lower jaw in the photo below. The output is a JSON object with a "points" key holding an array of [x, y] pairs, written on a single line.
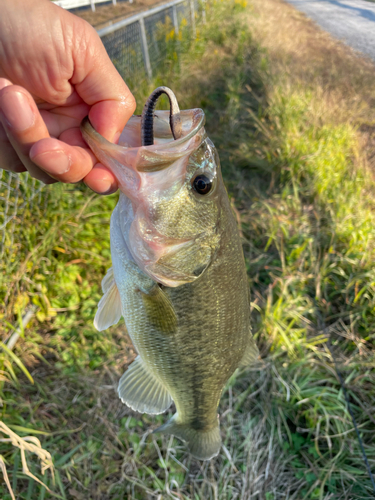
{"points": [[148, 252], [149, 257], [170, 278]]}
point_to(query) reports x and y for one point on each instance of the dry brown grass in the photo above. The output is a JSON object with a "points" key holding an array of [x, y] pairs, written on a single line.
{"points": [[25, 444], [341, 78], [309, 54]]}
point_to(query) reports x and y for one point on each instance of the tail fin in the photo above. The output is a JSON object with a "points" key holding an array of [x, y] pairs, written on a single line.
{"points": [[203, 445]]}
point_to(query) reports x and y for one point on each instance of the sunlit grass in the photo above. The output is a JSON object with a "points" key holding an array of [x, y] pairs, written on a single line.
{"points": [[289, 111]]}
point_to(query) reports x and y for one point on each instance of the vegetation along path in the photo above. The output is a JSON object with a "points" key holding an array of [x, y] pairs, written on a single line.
{"points": [[352, 21]]}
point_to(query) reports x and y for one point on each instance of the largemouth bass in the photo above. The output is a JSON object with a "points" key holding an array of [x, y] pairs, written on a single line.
{"points": [[178, 274]]}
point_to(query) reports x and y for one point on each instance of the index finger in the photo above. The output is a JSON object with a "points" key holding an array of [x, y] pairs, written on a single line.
{"points": [[100, 85]]}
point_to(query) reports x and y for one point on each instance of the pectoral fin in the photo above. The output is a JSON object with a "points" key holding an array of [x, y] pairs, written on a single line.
{"points": [[159, 310], [141, 391], [109, 307], [251, 353]]}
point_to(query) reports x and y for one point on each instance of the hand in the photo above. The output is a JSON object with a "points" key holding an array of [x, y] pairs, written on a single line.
{"points": [[54, 71]]}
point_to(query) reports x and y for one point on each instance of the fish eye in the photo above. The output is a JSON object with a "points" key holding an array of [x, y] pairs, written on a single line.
{"points": [[202, 184]]}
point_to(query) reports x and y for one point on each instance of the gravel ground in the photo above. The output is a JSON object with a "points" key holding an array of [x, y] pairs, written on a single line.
{"points": [[352, 21], [109, 13]]}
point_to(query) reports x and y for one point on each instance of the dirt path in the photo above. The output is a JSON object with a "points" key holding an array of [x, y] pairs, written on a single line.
{"points": [[109, 14]]}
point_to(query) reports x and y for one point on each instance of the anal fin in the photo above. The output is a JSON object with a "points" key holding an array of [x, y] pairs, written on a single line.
{"points": [[141, 391]]}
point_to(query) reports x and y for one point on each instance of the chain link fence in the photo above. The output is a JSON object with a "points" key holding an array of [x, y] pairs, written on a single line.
{"points": [[136, 46]]}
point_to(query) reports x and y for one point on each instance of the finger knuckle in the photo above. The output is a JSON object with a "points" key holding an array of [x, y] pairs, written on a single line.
{"points": [[130, 102]]}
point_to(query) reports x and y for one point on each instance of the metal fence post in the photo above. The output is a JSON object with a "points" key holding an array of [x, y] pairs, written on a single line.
{"points": [[114, 2], [175, 20], [92, 5], [192, 14], [146, 57]]}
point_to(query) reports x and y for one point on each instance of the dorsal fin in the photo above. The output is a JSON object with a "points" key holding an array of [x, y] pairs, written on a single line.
{"points": [[109, 307]]}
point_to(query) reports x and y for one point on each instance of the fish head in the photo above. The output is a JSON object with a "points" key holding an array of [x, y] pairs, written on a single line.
{"points": [[175, 191]]}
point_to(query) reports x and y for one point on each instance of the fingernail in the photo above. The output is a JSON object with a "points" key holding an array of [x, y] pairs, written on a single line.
{"points": [[16, 110], [53, 162], [106, 186], [110, 190]]}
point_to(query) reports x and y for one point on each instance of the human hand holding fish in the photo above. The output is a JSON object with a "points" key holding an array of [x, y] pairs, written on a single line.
{"points": [[54, 70], [178, 274]]}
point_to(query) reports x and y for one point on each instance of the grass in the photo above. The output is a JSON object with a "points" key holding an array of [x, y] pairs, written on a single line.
{"points": [[290, 111]]}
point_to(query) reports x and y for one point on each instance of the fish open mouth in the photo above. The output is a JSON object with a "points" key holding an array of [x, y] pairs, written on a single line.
{"points": [[150, 163], [155, 141], [152, 141]]}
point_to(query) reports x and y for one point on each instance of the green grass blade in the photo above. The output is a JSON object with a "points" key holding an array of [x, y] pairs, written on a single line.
{"points": [[17, 361]]}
